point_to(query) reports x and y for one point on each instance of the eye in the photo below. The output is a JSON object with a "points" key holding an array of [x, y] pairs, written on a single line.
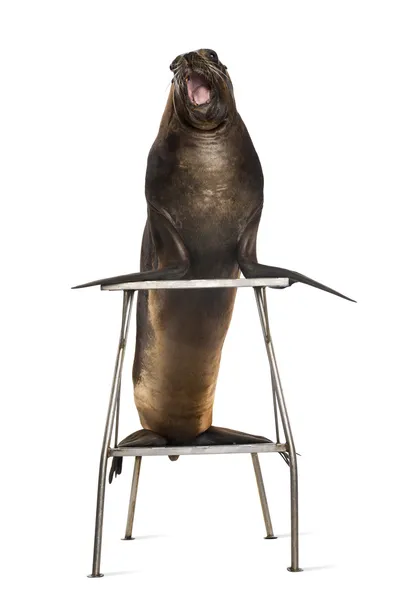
{"points": [[213, 55]]}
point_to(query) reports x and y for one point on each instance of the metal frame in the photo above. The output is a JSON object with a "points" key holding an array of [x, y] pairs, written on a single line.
{"points": [[286, 450]]}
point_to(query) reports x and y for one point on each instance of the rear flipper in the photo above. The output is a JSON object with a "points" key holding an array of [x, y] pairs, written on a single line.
{"points": [[211, 437], [144, 439], [250, 267], [140, 439], [214, 436], [220, 436]]}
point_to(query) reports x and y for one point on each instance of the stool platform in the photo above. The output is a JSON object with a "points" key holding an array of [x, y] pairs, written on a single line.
{"points": [[190, 450]]}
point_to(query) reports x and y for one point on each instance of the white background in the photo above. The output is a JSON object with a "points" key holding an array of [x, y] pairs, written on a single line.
{"points": [[323, 89]]}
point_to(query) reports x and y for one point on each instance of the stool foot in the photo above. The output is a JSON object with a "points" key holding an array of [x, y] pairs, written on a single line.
{"points": [[127, 539], [297, 570], [270, 537], [93, 576]]}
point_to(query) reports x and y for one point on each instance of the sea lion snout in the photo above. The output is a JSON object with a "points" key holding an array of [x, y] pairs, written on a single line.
{"points": [[202, 90], [195, 58]]}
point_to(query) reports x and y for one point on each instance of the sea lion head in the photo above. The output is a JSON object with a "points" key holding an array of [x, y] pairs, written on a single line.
{"points": [[202, 90]]}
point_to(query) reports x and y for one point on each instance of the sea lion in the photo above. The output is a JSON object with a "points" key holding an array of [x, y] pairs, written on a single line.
{"points": [[204, 191]]}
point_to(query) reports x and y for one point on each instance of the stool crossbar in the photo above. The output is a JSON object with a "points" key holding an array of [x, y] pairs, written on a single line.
{"points": [[285, 448]]}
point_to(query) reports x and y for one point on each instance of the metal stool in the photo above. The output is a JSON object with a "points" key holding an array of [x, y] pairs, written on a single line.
{"points": [[286, 450]]}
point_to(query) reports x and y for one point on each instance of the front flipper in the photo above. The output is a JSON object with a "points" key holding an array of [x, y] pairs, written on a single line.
{"points": [[250, 267], [254, 269], [166, 274], [172, 258]]}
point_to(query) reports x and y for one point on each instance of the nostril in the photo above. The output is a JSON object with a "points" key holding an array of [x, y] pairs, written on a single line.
{"points": [[189, 56]]}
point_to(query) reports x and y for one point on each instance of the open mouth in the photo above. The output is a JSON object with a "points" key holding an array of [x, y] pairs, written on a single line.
{"points": [[198, 88]]}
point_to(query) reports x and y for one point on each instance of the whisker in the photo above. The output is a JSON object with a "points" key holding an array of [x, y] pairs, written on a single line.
{"points": [[218, 73]]}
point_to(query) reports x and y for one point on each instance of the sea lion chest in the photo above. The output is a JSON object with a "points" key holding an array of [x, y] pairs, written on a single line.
{"points": [[209, 184]]}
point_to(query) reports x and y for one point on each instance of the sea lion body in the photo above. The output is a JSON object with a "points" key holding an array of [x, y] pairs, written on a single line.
{"points": [[209, 184], [204, 191]]}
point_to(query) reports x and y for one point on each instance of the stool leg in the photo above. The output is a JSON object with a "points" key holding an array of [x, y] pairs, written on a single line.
{"points": [[99, 517], [132, 499], [263, 498], [261, 300], [294, 513]]}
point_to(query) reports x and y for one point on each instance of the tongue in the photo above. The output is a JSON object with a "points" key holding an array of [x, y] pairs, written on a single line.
{"points": [[198, 89]]}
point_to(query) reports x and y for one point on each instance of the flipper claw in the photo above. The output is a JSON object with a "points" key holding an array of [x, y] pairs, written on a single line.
{"points": [[116, 468]]}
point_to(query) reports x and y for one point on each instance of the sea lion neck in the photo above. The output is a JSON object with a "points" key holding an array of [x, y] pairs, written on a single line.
{"points": [[171, 123], [178, 126]]}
